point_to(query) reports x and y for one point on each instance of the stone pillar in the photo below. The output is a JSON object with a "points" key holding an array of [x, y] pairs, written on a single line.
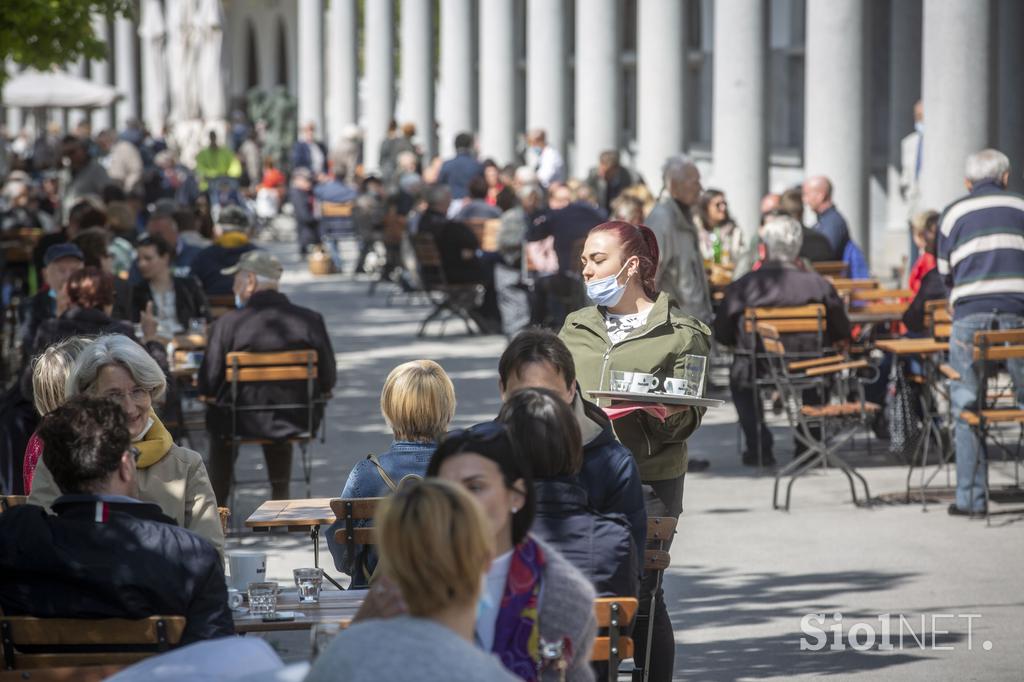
{"points": [[1010, 89], [835, 143], [311, 64], [739, 131], [99, 72], [12, 115], [498, 81], [955, 81], [344, 69], [417, 79], [660, 85], [546, 72], [125, 71], [457, 60], [598, 82], [380, 76]]}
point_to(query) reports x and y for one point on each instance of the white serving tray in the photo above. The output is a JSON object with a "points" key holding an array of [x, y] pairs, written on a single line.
{"points": [[660, 398]]}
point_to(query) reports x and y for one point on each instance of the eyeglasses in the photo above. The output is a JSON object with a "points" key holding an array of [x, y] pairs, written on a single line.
{"points": [[137, 395]]}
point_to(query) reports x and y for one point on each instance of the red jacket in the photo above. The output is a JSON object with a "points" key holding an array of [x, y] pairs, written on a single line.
{"points": [[922, 267]]}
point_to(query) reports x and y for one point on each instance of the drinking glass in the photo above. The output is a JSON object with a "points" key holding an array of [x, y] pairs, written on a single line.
{"points": [[262, 598], [308, 580], [197, 325], [693, 374]]}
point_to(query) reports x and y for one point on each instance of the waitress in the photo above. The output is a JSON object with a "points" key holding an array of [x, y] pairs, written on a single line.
{"points": [[633, 327]]}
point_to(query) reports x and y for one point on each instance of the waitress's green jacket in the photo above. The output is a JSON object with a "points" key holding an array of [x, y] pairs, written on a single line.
{"points": [[658, 348]]}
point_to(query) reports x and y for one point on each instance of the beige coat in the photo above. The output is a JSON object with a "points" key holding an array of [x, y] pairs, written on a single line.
{"points": [[178, 483]]}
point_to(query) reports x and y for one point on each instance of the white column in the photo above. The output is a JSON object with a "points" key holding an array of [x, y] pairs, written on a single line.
{"points": [[380, 75], [457, 60], [834, 122], [99, 70], [12, 115], [125, 70], [344, 69], [955, 84], [661, 78], [739, 131], [311, 63], [546, 71], [497, 81], [417, 79], [598, 82], [1010, 89]]}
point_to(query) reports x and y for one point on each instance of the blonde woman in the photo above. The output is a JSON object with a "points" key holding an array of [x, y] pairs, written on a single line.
{"points": [[50, 372], [118, 369], [418, 403], [436, 546]]}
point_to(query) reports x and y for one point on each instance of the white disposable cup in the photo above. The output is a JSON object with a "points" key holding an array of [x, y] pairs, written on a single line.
{"points": [[246, 567]]}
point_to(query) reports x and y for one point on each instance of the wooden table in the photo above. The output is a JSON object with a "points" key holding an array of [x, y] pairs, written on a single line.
{"points": [[874, 318], [295, 516], [334, 607], [912, 346]]}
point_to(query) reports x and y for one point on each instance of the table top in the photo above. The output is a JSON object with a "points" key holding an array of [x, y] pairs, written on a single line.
{"points": [[297, 514], [912, 346], [335, 606]]}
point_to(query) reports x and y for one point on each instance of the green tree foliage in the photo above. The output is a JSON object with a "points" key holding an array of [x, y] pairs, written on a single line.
{"points": [[45, 33]]}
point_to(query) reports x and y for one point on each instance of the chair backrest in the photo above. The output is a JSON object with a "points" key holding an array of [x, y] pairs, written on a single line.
{"points": [[289, 365], [77, 641], [84, 673], [843, 285], [992, 347], [790, 319], [428, 260], [336, 209], [881, 294], [937, 318], [489, 236], [614, 614], [350, 511], [220, 304], [8, 501], [833, 268]]}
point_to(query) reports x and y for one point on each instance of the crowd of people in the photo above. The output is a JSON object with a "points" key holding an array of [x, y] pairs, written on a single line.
{"points": [[493, 538]]}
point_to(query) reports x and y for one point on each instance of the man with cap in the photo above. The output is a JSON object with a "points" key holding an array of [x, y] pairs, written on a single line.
{"points": [[59, 263], [264, 321], [231, 241]]}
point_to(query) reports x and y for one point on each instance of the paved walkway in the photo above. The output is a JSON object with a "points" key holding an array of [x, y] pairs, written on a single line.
{"points": [[743, 575]]}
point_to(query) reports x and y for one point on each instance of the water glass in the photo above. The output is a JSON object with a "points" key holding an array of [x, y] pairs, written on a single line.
{"points": [[694, 367], [262, 598], [197, 325], [308, 580]]}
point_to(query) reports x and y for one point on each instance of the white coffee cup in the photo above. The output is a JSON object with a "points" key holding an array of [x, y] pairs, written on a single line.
{"points": [[246, 567], [677, 386], [234, 598], [633, 382]]}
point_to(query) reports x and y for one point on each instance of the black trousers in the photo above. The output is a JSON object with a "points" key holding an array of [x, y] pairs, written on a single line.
{"points": [[279, 468], [664, 498]]}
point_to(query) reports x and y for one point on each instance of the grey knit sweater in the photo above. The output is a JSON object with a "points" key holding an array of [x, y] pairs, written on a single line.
{"points": [[567, 610]]}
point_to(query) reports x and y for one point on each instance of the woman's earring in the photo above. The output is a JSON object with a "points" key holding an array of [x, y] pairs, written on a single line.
{"points": [[515, 509]]}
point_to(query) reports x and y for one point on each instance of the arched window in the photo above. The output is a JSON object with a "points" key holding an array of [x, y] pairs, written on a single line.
{"points": [[282, 53]]}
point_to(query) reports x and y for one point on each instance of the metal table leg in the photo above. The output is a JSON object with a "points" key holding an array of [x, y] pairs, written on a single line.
{"points": [[314, 535]]}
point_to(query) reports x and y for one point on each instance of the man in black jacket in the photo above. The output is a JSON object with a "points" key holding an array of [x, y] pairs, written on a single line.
{"points": [[265, 322], [105, 554], [780, 281]]}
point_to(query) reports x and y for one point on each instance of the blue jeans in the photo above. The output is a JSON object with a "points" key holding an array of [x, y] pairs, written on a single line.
{"points": [[333, 244], [971, 475]]}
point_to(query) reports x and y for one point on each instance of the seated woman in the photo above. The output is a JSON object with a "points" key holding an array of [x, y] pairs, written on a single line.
{"points": [[50, 372], [176, 300], [600, 545], [418, 403], [925, 280], [90, 301], [435, 545], [531, 591], [117, 368]]}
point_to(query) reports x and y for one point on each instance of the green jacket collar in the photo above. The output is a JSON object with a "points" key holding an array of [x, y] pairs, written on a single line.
{"points": [[592, 319]]}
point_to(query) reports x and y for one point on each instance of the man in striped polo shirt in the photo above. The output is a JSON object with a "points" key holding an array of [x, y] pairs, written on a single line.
{"points": [[981, 258]]}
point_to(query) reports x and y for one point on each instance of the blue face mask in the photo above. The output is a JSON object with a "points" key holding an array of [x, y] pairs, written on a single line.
{"points": [[607, 291], [239, 303]]}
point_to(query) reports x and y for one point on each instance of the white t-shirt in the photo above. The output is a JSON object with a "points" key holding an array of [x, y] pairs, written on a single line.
{"points": [[490, 600], [621, 326]]}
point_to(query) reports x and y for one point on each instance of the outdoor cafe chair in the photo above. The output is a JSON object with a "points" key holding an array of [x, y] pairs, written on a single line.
{"points": [[614, 615], [842, 420], [990, 349], [660, 530], [450, 300], [355, 514]]}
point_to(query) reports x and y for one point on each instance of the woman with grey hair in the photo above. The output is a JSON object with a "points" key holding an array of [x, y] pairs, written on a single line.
{"points": [[118, 369]]}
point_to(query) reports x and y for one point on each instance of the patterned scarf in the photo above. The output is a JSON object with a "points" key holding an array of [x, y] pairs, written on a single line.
{"points": [[516, 631]]}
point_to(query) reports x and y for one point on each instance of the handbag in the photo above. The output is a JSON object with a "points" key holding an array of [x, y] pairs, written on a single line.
{"points": [[903, 414]]}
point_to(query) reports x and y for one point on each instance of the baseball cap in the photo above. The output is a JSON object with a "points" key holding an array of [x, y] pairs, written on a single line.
{"points": [[58, 251], [257, 262]]}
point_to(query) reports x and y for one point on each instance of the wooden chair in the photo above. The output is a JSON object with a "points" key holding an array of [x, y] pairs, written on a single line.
{"points": [[849, 416], [292, 365], [937, 318], [990, 348], [56, 642], [843, 285], [355, 513], [335, 209], [89, 673], [614, 615], [830, 268], [660, 531], [453, 300], [220, 304], [8, 501]]}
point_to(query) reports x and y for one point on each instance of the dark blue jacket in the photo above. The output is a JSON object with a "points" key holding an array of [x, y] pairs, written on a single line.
{"points": [[832, 224], [568, 225], [610, 474], [336, 192], [402, 459], [301, 158], [208, 265], [458, 171], [599, 545], [133, 564]]}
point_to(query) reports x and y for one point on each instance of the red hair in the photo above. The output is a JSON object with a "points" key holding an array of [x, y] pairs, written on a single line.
{"points": [[639, 241], [90, 287]]}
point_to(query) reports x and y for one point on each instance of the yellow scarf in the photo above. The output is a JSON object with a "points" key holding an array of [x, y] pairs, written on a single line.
{"points": [[155, 444], [232, 240]]}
